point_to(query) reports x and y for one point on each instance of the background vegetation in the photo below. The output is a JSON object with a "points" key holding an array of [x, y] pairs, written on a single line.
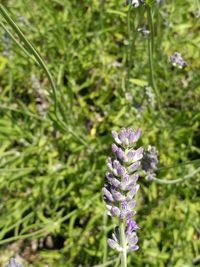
{"points": [[52, 167]]}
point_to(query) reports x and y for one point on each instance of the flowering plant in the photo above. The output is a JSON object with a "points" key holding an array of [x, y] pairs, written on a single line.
{"points": [[120, 189]]}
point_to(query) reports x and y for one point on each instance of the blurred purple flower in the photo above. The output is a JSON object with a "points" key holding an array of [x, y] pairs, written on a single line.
{"points": [[149, 162], [12, 263], [177, 60]]}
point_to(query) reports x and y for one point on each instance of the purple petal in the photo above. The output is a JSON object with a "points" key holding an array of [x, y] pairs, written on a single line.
{"points": [[117, 196], [115, 182], [131, 193], [114, 148], [137, 135], [135, 155], [114, 245], [131, 204], [131, 226], [107, 194], [123, 136], [116, 164], [115, 211], [133, 167], [134, 248], [120, 154], [116, 138], [132, 239], [133, 136]]}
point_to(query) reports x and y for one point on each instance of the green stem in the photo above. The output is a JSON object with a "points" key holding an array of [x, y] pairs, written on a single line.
{"points": [[32, 52], [159, 181], [16, 42], [150, 52], [123, 244], [129, 49], [105, 252]]}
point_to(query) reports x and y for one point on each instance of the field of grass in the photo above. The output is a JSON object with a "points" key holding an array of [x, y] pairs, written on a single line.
{"points": [[55, 138]]}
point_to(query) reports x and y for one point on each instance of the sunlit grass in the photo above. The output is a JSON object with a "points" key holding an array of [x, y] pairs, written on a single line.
{"points": [[52, 170]]}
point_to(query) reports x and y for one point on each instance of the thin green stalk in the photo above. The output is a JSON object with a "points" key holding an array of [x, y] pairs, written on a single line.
{"points": [[123, 244], [105, 252], [101, 3], [17, 42], [159, 181], [150, 54], [31, 50], [128, 54], [130, 49], [195, 161], [108, 263], [35, 234], [117, 262]]}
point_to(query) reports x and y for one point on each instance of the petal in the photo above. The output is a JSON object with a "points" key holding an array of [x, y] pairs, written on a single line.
{"points": [[116, 138], [114, 245]]}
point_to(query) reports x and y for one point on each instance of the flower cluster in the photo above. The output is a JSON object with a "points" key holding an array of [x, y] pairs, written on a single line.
{"points": [[177, 60], [13, 263], [149, 162], [121, 186]]}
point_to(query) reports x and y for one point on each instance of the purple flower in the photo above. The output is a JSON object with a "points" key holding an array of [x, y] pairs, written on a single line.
{"points": [[13, 263], [121, 186], [149, 162], [177, 60]]}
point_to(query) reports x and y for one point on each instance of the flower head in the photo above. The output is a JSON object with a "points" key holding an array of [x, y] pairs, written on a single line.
{"points": [[177, 60], [121, 186], [149, 162], [12, 263]]}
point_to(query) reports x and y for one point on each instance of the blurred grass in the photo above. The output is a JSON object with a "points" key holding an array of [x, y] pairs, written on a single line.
{"points": [[50, 178]]}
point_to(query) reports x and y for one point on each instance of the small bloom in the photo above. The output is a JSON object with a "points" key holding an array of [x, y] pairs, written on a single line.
{"points": [[115, 211], [131, 226], [114, 245], [177, 60], [12, 263], [149, 162], [132, 240]]}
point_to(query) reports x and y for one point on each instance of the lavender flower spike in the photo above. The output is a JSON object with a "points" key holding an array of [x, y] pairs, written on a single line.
{"points": [[120, 190]]}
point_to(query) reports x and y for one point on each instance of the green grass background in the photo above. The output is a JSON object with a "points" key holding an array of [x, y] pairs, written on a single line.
{"points": [[51, 208]]}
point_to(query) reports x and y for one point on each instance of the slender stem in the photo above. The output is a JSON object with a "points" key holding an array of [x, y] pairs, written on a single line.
{"points": [[123, 244], [129, 49], [150, 52], [179, 164], [105, 252], [16, 42], [32, 50], [34, 53], [160, 181]]}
